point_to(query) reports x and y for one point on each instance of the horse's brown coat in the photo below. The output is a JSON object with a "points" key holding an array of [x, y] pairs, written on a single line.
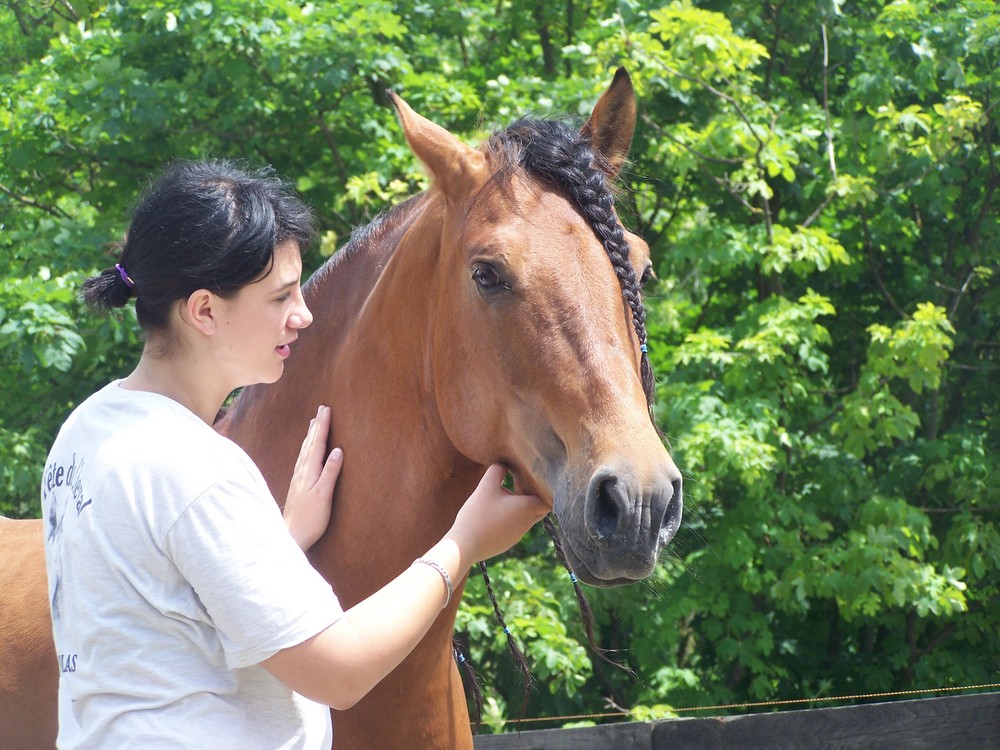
{"points": [[29, 671]]}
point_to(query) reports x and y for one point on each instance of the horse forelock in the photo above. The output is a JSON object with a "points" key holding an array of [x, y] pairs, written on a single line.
{"points": [[554, 152]]}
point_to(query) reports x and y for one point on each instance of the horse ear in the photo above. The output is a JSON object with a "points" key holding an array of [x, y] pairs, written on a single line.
{"points": [[612, 123], [454, 167]]}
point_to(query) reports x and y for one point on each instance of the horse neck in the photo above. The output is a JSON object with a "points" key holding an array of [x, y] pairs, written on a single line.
{"points": [[367, 355]]}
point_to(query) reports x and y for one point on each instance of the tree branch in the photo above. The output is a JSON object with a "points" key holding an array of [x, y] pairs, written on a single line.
{"points": [[819, 210], [972, 236], [51, 210], [331, 143], [878, 277], [647, 120], [826, 102]]}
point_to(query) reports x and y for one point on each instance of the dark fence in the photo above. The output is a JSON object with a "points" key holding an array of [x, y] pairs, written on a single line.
{"points": [[964, 722]]}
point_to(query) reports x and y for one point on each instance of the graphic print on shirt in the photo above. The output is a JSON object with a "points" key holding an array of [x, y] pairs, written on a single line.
{"points": [[62, 490]]}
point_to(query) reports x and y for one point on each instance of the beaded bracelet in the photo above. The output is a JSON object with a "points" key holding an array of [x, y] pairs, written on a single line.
{"points": [[444, 576]]}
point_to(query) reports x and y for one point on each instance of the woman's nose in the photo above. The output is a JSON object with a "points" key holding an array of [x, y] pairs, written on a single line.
{"points": [[301, 317]]}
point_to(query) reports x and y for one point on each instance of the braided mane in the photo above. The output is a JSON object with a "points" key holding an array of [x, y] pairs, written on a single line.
{"points": [[556, 153]]}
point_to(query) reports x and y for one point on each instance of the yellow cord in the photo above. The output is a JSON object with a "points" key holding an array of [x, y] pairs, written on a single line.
{"points": [[759, 704]]}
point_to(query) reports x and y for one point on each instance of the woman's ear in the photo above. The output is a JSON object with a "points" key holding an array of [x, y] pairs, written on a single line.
{"points": [[198, 311]]}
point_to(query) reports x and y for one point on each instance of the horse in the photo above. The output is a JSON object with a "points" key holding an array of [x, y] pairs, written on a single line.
{"points": [[495, 317]]}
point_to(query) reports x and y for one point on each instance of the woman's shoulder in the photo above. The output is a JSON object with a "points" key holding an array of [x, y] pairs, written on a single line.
{"points": [[156, 434]]}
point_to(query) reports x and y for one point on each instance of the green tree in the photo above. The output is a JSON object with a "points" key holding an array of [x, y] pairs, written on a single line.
{"points": [[818, 183], [828, 328]]}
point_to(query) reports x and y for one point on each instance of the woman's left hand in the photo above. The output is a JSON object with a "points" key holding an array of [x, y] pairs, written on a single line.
{"points": [[310, 494]]}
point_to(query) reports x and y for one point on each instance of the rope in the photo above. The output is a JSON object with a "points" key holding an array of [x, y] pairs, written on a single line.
{"points": [[759, 704]]}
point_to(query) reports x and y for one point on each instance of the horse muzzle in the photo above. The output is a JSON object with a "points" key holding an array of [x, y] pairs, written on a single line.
{"points": [[615, 528]]}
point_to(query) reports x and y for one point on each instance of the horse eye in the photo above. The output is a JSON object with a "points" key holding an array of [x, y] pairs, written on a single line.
{"points": [[487, 278]]}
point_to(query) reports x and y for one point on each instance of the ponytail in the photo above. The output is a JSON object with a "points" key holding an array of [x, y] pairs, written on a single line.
{"points": [[112, 288]]}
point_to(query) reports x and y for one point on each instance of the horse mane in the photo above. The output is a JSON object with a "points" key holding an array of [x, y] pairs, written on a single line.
{"points": [[378, 238]]}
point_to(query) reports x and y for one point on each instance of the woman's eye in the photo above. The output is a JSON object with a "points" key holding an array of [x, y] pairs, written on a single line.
{"points": [[487, 278]]}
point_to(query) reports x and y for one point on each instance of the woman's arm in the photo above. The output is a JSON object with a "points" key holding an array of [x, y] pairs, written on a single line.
{"points": [[341, 664]]}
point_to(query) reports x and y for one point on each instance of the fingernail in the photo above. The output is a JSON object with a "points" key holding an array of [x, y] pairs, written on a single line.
{"points": [[337, 452]]}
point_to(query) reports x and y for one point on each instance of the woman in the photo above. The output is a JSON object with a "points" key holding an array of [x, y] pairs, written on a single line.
{"points": [[184, 610]]}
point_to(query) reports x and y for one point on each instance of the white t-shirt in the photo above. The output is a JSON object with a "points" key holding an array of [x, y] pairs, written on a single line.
{"points": [[171, 577]]}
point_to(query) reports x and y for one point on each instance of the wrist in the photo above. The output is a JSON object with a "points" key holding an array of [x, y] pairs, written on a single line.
{"points": [[295, 530], [446, 555], [445, 577]]}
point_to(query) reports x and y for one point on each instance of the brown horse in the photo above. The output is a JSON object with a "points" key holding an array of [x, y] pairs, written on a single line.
{"points": [[495, 317], [481, 321]]}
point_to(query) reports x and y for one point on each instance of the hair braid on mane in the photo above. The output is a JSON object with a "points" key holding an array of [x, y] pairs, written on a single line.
{"points": [[512, 648], [470, 682], [553, 151]]}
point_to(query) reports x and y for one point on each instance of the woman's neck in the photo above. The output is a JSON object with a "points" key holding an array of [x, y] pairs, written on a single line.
{"points": [[180, 378]]}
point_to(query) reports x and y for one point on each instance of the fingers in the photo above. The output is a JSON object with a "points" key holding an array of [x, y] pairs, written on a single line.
{"points": [[493, 477], [538, 509], [310, 459], [310, 439], [527, 508], [491, 481], [331, 470]]}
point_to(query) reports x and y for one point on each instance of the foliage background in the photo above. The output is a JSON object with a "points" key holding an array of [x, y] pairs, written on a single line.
{"points": [[818, 182]]}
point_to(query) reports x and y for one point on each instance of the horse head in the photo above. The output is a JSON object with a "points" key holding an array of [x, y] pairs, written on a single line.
{"points": [[539, 351]]}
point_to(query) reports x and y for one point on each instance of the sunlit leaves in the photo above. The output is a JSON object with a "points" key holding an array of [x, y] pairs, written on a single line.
{"points": [[915, 350], [803, 251], [701, 43], [824, 334]]}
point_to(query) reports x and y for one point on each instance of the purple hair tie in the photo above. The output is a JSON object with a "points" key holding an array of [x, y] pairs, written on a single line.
{"points": [[125, 277]]}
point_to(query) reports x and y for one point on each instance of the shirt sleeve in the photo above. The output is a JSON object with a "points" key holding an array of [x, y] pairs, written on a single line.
{"points": [[259, 589]]}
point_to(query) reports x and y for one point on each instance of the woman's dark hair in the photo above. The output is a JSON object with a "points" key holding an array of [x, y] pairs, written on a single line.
{"points": [[201, 225]]}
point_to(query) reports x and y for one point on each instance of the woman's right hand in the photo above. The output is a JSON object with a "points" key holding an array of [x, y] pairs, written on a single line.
{"points": [[493, 519]]}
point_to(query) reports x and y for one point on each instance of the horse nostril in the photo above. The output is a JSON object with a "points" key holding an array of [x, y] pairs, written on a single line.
{"points": [[672, 515], [606, 509]]}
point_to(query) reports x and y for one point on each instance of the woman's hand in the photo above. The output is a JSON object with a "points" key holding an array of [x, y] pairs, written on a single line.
{"points": [[310, 494], [493, 520]]}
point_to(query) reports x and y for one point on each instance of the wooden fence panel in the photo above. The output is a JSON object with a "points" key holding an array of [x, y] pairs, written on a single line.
{"points": [[631, 736], [965, 722], [968, 722]]}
